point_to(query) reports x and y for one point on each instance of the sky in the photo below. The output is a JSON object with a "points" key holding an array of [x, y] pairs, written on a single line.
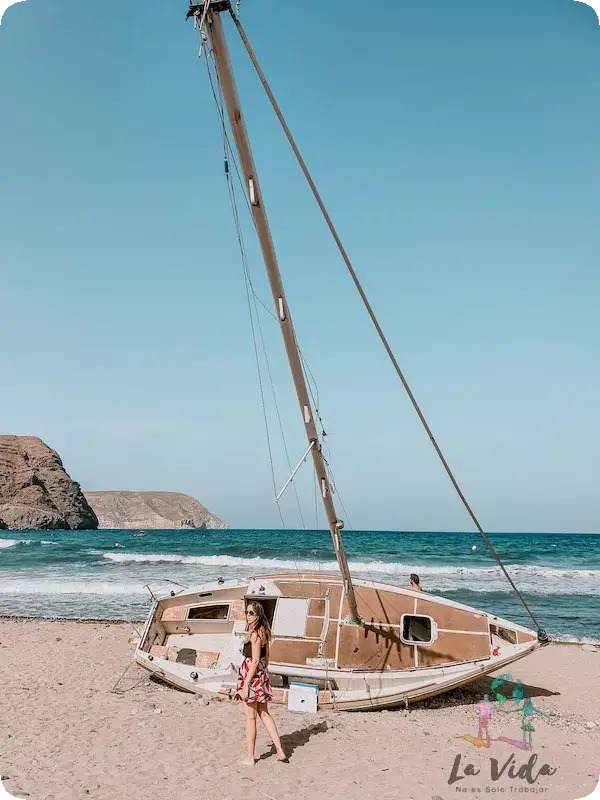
{"points": [[456, 146]]}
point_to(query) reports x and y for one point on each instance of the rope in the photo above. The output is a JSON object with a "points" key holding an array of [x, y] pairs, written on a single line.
{"points": [[285, 447], [542, 635], [203, 36], [116, 690]]}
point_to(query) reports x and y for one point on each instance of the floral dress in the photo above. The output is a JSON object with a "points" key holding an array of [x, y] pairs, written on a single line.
{"points": [[259, 690]]}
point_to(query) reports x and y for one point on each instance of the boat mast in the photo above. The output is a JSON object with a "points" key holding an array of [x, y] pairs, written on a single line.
{"points": [[234, 111]]}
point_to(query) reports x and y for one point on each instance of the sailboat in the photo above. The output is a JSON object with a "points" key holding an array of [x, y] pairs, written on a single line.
{"points": [[340, 641]]}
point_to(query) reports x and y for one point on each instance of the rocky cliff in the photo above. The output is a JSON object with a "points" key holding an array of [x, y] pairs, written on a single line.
{"points": [[159, 510], [35, 490]]}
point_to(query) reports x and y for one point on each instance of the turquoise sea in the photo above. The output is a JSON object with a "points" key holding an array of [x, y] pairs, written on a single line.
{"points": [[84, 575]]}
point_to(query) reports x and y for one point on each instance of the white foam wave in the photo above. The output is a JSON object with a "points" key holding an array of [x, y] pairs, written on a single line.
{"points": [[217, 561], [53, 586], [575, 640], [484, 579], [384, 567], [4, 543]]}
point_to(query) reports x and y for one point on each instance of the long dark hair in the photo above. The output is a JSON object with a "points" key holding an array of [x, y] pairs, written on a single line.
{"points": [[261, 626]]}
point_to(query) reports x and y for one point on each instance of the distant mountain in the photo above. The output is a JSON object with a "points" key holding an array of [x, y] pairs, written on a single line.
{"points": [[158, 510], [36, 493]]}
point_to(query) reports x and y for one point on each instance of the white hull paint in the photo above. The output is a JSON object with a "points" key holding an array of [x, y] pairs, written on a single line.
{"points": [[178, 634]]}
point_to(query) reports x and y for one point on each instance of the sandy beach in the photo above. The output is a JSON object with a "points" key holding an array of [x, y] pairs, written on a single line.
{"points": [[77, 723]]}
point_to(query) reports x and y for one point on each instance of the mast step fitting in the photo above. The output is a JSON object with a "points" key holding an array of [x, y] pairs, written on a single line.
{"points": [[213, 5]]}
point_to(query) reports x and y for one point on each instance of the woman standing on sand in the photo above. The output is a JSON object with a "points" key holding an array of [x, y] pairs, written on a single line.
{"points": [[254, 687]]}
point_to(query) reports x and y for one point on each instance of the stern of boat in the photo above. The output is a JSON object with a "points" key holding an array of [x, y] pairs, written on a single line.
{"points": [[193, 639]]}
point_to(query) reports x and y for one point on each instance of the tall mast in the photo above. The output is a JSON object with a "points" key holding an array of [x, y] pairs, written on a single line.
{"points": [[236, 119]]}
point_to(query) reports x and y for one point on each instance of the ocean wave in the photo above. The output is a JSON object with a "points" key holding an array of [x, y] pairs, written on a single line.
{"points": [[377, 567], [557, 637], [485, 579], [43, 586], [4, 543], [218, 561]]}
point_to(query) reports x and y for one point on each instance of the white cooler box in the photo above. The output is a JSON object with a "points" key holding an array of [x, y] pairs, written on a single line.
{"points": [[303, 697]]}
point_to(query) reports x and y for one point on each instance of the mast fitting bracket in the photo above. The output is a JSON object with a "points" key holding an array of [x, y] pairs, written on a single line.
{"points": [[213, 5]]}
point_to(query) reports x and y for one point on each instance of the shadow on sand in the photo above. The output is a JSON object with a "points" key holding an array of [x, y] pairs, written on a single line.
{"points": [[291, 741], [474, 692]]}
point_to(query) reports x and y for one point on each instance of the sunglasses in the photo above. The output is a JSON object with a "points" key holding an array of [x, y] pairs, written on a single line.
{"points": [[251, 613]]}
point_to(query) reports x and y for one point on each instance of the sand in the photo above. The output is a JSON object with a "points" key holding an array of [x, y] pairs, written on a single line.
{"points": [[66, 733]]}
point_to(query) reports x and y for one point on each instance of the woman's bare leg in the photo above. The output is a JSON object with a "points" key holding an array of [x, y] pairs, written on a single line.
{"points": [[250, 712], [269, 723]]}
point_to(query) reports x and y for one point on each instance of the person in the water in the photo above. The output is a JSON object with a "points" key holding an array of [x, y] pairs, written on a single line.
{"points": [[415, 583]]}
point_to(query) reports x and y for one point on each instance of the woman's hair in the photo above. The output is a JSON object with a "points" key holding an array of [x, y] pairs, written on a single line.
{"points": [[261, 627], [415, 578]]}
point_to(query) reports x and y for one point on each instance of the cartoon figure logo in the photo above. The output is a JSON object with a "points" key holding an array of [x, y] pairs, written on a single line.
{"points": [[517, 704]]}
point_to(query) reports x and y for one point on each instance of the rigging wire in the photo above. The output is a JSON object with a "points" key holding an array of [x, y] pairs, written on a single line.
{"points": [[542, 635], [251, 315], [367, 570], [308, 373], [229, 155]]}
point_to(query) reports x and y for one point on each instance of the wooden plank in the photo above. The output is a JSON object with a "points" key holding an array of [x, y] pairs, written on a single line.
{"points": [[317, 607], [175, 614], [314, 627], [285, 651], [450, 648], [453, 618], [367, 648], [377, 605]]}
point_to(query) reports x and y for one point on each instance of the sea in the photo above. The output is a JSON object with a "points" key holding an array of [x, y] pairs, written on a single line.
{"points": [[108, 574]]}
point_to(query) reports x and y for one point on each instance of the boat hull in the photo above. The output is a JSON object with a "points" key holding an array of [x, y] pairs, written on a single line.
{"points": [[409, 645]]}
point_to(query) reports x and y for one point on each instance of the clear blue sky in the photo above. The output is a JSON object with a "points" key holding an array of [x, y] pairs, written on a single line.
{"points": [[456, 145]]}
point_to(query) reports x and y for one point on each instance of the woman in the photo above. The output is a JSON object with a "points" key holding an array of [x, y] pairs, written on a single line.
{"points": [[254, 687]]}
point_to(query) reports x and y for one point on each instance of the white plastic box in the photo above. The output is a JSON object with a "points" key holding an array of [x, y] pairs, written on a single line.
{"points": [[303, 697]]}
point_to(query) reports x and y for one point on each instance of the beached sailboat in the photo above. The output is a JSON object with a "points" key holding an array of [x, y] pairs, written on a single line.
{"points": [[351, 643]]}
